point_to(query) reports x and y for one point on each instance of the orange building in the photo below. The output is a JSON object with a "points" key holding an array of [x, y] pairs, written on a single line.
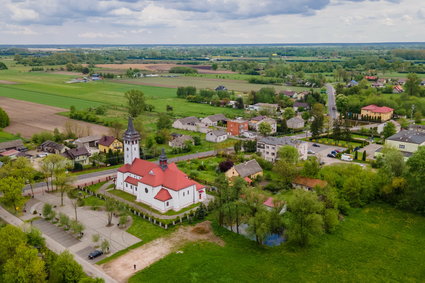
{"points": [[237, 127]]}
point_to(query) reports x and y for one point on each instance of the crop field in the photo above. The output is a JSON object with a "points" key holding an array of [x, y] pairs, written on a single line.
{"points": [[374, 244], [51, 89], [206, 82]]}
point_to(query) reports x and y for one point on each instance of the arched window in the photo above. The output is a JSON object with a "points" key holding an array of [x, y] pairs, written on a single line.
{"points": [[146, 190]]}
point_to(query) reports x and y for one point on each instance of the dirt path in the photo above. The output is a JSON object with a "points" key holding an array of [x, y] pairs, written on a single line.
{"points": [[3, 82], [122, 268], [29, 118]]}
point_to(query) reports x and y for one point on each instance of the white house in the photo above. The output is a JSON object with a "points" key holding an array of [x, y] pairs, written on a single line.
{"points": [[216, 136], [255, 122], [213, 119], [162, 186], [188, 123], [295, 123], [268, 147]]}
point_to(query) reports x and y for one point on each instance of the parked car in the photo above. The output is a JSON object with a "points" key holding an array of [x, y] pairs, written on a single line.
{"points": [[331, 155], [338, 150], [333, 152], [316, 145], [356, 148], [310, 152], [95, 254], [347, 157]]}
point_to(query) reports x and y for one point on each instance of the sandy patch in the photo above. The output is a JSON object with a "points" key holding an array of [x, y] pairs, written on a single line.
{"points": [[122, 268], [29, 118], [3, 82]]}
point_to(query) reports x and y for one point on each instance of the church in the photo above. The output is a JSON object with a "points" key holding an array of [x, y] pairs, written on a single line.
{"points": [[162, 186]]}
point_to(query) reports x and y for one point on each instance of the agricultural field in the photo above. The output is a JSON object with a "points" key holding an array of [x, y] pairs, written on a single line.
{"points": [[386, 248], [210, 82]]}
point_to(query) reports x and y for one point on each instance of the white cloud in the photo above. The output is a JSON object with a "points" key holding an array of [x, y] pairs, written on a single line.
{"points": [[95, 35]]}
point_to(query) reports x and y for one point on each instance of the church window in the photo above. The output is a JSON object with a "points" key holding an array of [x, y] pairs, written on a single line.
{"points": [[146, 190], [167, 203]]}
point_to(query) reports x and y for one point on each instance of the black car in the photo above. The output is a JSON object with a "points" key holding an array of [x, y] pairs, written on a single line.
{"points": [[331, 155], [316, 145], [95, 254]]}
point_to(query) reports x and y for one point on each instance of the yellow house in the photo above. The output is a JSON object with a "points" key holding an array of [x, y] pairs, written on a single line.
{"points": [[248, 171], [372, 111], [107, 143]]}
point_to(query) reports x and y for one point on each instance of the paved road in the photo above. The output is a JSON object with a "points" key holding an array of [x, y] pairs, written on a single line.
{"points": [[57, 247], [333, 113]]}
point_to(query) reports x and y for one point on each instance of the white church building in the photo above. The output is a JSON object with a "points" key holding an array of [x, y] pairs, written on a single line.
{"points": [[162, 186]]}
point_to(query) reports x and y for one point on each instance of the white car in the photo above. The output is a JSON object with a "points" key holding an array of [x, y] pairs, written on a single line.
{"points": [[310, 152]]}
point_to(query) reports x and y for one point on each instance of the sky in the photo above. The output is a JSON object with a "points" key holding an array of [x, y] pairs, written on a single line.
{"points": [[210, 21]]}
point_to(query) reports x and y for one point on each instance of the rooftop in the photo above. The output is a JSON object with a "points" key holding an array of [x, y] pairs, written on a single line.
{"points": [[378, 109], [11, 144], [248, 168], [106, 140], [280, 141], [409, 136]]}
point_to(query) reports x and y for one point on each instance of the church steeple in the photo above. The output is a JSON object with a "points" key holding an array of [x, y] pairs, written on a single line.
{"points": [[131, 140], [163, 160]]}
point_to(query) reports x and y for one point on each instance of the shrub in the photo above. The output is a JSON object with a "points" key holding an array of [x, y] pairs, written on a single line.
{"points": [[48, 211], [63, 220]]}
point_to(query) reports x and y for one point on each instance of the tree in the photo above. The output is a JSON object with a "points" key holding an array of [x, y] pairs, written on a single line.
{"points": [[393, 163], [12, 192], [135, 102], [265, 128], [3, 66], [104, 245], [288, 154], [24, 267], [288, 113], [53, 165], [311, 167], [4, 119], [415, 176], [110, 207], [22, 168], [418, 117], [48, 211], [64, 220], [389, 130], [364, 156], [412, 84], [63, 183], [123, 221], [316, 126], [259, 225], [164, 121], [239, 103], [224, 166], [35, 238], [11, 237], [65, 269], [304, 219], [76, 227], [75, 197]]}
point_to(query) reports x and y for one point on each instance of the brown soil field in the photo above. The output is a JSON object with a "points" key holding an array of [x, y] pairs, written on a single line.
{"points": [[28, 118], [162, 67], [67, 73], [122, 268], [2, 82]]}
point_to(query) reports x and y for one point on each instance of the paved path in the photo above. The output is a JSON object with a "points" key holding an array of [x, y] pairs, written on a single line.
{"points": [[91, 270], [333, 113]]}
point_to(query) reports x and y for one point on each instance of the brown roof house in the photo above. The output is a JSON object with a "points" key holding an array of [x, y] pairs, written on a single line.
{"points": [[181, 142], [248, 170], [52, 147], [214, 119], [78, 155], [109, 143], [308, 183], [15, 144]]}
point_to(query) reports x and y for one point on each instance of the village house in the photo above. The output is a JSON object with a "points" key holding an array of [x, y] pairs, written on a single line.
{"points": [[263, 106], [352, 83], [214, 119], [295, 123], [15, 144], [12, 154], [375, 112], [308, 184], [289, 93], [89, 142], [109, 143], [52, 147], [181, 141], [406, 141], [216, 136], [248, 171], [161, 186], [237, 127], [297, 105], [255, 122], [269, 147], [78, 155], [398, 89], [189, 123]]}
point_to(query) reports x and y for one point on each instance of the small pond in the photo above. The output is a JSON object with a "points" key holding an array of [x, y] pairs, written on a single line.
{"points": [[271, 240]]}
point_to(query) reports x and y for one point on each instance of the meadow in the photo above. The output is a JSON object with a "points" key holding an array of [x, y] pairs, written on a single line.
{"points": [[4, 137], [375, 244]]}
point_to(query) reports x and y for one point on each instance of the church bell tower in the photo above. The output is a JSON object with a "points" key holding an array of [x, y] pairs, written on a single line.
{"points": [[131, 140]]}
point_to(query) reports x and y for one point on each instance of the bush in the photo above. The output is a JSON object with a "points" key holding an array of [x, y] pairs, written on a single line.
{"points": [[183, 70], [48, 211], [64, 220], [4, 119]]}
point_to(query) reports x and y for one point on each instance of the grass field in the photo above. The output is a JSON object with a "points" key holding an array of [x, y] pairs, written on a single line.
{"points": [[374, 244], [4, 137]]}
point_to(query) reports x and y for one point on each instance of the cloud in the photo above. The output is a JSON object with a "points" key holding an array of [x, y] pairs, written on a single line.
{"points": [[95, 35]]}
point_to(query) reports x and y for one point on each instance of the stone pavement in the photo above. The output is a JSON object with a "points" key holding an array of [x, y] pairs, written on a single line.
{"points": [[90, 269], [94, 222]]}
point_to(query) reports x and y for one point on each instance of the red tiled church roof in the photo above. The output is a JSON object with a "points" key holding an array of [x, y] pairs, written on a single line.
{"points": [[378, 109], [163, 195], [153, 175]]}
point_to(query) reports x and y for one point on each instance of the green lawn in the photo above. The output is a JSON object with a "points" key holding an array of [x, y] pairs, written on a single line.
{"points": [[93, 201], [374, 244], [330, 141], [4, 137]]}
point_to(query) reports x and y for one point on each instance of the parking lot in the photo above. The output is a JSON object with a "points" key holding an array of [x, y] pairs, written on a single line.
{"points": [[323, 150]]}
